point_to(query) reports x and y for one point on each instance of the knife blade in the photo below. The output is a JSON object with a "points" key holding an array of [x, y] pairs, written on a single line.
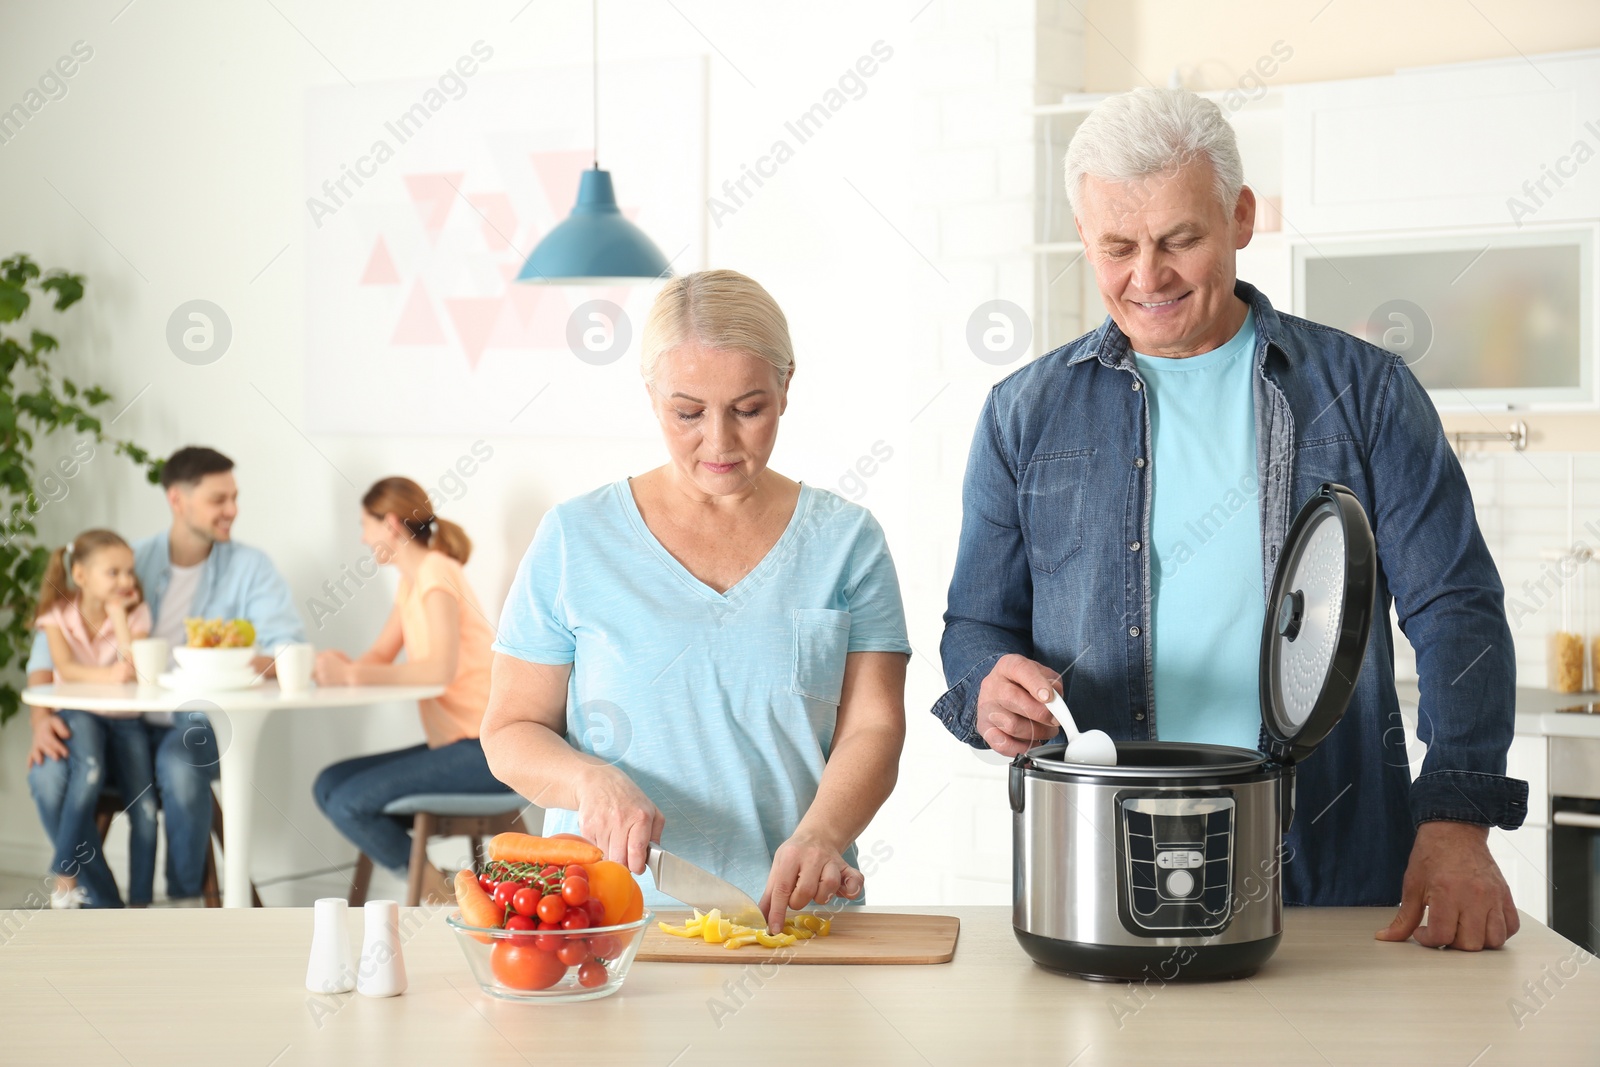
{"points": [[699, 888]]}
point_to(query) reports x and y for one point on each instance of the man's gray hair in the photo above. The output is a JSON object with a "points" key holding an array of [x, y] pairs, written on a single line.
{"points": [[1151, 131]]}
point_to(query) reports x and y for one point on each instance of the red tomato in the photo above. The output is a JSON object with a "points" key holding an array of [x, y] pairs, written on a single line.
{"points": [[486, 883], [552, 908], [576, 919], [592, 974], [575, 890], [577, 870], [519, 965], [574, 952], [548, 926], [503, 894], [526, 901], [520, 922], [549, 942], [605, 947], [597, 911], [551, 873]]}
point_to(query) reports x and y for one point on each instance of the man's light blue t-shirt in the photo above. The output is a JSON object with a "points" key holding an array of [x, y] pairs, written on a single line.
{"points": [[1205, 532], [720, 706]]}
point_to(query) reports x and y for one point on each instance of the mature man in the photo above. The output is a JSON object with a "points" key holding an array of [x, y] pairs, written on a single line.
{"points": [[1126, 499], [192, 569]]}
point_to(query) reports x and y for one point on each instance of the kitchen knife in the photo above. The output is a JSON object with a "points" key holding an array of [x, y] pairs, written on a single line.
{"points": [[699, 888]]}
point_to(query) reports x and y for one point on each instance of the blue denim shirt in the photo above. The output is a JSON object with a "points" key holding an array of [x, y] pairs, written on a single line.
{"points": [[1052, 565], [236, 581]]}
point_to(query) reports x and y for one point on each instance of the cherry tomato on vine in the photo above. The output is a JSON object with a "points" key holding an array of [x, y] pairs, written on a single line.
{"points": [[574, 952], [526, 901], [552, 908], [575, 891]]}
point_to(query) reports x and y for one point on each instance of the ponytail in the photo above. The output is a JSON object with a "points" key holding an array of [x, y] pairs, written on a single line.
{"points": [[408, 502], [451, 539], [56, 586]]}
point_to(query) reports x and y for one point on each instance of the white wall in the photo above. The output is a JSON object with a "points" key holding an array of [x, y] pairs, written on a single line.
{"points": [[171, 170]]}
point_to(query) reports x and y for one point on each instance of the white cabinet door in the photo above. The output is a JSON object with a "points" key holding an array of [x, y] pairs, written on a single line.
{"points": [[1506, 143], [1521, 855]]}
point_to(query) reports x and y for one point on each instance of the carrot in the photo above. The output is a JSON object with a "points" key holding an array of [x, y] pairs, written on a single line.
{"points": [[477, 909], [525, 848]]}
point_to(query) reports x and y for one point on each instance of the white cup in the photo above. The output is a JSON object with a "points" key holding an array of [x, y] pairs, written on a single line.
{"points": [[295, 662], [381, 971], [332, 967], [150, 655]]}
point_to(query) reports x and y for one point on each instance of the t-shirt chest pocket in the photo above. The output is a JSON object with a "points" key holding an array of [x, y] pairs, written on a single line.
{"points": [[821, 645]]}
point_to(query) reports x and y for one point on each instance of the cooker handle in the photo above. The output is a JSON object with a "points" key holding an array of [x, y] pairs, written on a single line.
{"points": [[1018, 765], [1286, 796]]}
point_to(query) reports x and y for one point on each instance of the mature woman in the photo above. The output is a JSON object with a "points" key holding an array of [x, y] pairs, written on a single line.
{"points": [[709, 655], [438, 621]]}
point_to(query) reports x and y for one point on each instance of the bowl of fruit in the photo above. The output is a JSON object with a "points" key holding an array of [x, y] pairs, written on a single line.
{"points": [[549, 919], [216, 646]]}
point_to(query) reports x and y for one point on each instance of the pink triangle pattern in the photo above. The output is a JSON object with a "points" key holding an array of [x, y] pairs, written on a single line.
{"points": [[418, 324], [558, 173], [380, 269], [498, 219], [433, 195], [474, 318]]}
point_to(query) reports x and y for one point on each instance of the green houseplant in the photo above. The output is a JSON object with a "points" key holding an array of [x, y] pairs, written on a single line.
{"points": [[35, 402]]}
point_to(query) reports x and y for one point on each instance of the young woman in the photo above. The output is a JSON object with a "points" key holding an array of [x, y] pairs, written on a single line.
{"points": [[91, 611], [446, 636]]}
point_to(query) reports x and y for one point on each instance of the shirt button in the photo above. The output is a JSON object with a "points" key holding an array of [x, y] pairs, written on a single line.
{"points": [[1138, 461], [1133, 631], [1139, 715], [1137, 386], [1133, 546]]}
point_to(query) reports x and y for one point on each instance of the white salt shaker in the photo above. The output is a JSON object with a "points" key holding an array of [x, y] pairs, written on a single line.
{"points": [[333, 966], [382, 972]]}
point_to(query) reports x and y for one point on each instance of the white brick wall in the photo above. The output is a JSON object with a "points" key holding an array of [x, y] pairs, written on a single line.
{"points": [[978, 66]]}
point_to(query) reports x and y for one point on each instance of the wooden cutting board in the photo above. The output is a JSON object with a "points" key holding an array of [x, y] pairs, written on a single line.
{"points": [[857, 937]]}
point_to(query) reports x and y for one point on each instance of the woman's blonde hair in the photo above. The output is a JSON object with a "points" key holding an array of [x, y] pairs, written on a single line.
{"points": [[718, 309], [408, 502]]}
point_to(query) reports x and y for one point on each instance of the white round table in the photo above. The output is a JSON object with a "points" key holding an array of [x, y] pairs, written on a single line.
{"points": [[246, 711]]}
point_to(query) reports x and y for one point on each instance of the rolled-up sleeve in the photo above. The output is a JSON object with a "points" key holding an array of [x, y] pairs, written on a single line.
{"points": [[990, 604], [1451, 606]]}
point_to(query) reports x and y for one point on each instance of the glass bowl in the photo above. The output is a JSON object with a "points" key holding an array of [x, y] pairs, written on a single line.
{"points": [[550, 965]]}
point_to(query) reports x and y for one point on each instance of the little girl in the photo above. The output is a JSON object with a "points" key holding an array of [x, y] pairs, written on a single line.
{"points": [[92, 610]]}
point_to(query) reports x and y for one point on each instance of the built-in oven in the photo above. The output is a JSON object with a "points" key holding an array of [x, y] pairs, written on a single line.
{"points": [[1575, 839]]}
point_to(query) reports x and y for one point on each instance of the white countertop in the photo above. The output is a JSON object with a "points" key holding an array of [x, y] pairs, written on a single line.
{"points": [[1536, 711], [174, 987]]}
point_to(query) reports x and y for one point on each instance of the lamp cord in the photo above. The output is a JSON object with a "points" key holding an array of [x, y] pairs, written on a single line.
{"points": [[594, 39]]}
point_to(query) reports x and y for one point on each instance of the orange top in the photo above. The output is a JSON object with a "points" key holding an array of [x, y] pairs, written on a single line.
{"points": [[457, 712]]}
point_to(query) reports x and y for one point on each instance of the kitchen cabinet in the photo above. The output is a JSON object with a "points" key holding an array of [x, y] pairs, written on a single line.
{"points": [[1502, 143]]}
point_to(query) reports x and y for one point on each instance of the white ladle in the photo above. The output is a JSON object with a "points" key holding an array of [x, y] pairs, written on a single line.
{"points": [[1089, 746]]}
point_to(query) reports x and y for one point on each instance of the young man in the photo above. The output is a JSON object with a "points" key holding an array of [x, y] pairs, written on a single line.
{"points": [[193, 569]]}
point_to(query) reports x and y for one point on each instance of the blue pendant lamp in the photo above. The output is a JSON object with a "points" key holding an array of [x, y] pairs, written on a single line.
{"points": [[595, 245]]}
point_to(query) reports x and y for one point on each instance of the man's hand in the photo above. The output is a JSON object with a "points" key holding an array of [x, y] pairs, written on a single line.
{"points": [[1452, 874], [50, 734], [805, 870], [1012, 716]]}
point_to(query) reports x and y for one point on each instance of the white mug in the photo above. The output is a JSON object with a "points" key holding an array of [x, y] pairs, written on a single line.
{"points": [[295, 662], [150, 655]]}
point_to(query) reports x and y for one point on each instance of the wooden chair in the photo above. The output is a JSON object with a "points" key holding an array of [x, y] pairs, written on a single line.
{"points": [[110, 804], [470, 815]]}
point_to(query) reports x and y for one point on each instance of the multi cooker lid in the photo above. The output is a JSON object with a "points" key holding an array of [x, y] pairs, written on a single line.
{"points": [[1318, 616]]}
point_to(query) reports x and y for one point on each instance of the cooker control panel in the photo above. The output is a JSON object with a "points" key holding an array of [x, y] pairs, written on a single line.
{"points": [[1176, 858]]}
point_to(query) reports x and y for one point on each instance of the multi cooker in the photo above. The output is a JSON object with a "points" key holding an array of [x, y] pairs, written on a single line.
{"points": [[1167, 865]]}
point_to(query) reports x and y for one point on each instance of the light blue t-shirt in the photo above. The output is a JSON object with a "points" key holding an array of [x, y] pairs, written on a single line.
{"points": [[720, 706], [1205, 533]]}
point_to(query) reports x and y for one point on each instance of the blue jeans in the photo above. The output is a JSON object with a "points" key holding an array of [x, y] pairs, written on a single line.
{"points": [[100, 751], [353, 793], [187, 762]]}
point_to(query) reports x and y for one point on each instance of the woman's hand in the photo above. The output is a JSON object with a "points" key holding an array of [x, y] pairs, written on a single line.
{"points": [[333, 668], [615, 814], [50, 733], [806, 869], [120, 672]]}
